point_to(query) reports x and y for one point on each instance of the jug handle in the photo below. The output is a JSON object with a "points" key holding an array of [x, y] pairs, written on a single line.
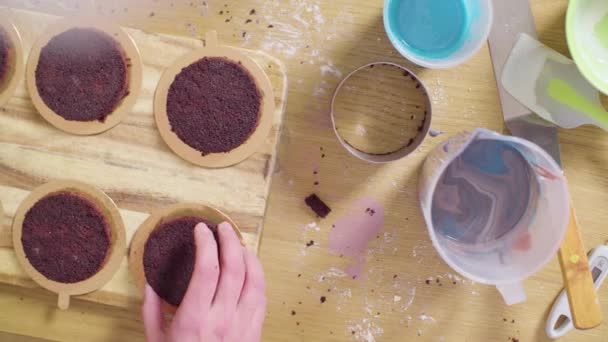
{"points": [[513, 293]]}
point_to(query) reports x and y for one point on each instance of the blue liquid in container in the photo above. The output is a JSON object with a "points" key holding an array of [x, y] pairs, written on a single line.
{"points": [[432, 29]]}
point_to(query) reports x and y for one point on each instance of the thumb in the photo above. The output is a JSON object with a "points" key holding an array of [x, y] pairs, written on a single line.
{"points": [[153, 316]]}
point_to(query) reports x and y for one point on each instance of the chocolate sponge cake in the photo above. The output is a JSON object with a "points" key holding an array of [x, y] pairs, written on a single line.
{"points": [[169, 255], [82, 74], [65, 237], [4, 55], [213, 105]]}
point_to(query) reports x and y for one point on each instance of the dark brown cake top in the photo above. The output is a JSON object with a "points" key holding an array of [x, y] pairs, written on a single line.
{"points": [[65, 237], [4, 50], [82, 74], [213, 105], [169, 256]]}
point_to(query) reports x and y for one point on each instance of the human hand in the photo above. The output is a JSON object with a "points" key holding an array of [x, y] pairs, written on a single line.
{"points": [[225, 300]]}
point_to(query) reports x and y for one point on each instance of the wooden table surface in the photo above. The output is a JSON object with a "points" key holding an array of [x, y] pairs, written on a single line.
{"points": [[321, 41]]}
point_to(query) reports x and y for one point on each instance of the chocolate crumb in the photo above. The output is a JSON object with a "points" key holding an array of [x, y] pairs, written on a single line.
{"points": [[395, 276], [504, 319], [323, 155], [512, 321], [323, 299], [310, 243], [293, 312], [248, 21], [297, 323], [317, 205], [252, 12], [221, 12], [418, 85], [454, 283], [316, 183], [299, 275], [270, 26], [352, 332], [244, 34], [428, 282], [152, 14]]}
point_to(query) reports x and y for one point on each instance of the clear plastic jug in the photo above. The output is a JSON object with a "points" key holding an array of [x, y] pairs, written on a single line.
{"points": [[496, 208]]}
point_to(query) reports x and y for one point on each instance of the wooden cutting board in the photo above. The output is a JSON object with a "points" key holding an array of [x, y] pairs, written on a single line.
{"points": [[130, 162]]}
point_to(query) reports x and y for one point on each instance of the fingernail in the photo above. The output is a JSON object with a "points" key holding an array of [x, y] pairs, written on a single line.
{"points": [[226, 227], [149, 291]]}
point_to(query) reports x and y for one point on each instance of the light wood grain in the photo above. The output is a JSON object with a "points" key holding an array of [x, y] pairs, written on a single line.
{"points": [[582, 297], [350, 35], [129, 162]]}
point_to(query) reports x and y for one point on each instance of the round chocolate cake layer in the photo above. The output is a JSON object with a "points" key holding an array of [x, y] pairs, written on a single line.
{"points": [[82, 74], [4, 51], [169, 256], [213, 105], [65, 237]]}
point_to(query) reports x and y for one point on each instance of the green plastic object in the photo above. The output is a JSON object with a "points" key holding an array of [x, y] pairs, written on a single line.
{"points": [[587, 35], [561, 91]]}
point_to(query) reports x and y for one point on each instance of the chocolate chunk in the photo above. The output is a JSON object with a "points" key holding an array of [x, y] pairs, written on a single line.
{"points": [[318, 206], [213, 105], [65, 237], [169, 256], [82, 74]]}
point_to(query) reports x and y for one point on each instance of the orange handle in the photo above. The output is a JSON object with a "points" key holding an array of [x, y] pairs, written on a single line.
{"points": [[584, 305]]}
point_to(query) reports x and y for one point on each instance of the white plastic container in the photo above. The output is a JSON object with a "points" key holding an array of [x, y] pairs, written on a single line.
{"points": [[506, 261], [479, 14]]}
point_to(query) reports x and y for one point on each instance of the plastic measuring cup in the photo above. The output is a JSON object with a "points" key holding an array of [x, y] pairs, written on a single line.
{"points": [[587, 34], [438, 33], [496, 208]]}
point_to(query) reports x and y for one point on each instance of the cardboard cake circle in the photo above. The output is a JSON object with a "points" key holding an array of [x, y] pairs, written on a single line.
{"points": [[138, 243], [413, 85], [267, 106], [16, 63], [117, 239], [132, 62]]}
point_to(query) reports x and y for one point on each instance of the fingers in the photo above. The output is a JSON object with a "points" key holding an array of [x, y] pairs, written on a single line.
{"points": [[255, 285], [204, 279], [152, 316], [252, 304], [232, 266]]}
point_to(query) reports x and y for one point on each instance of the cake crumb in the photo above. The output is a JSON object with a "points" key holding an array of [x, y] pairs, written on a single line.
{"points": [[317, 205]]}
